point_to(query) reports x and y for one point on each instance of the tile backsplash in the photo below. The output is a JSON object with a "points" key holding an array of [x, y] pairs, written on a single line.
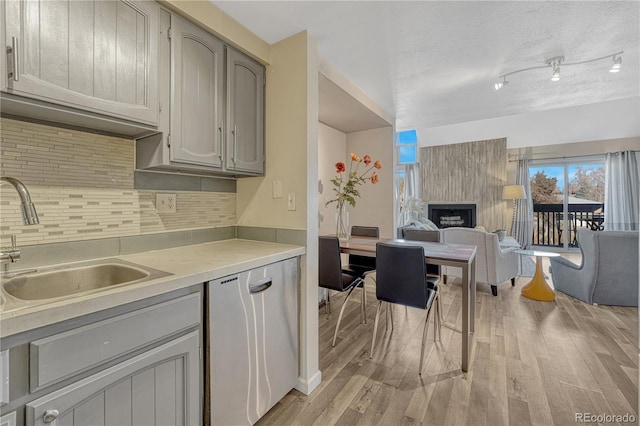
{"points": [[82, 186]]}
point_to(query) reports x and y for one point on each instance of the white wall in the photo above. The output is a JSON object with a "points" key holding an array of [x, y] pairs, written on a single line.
{"points": [[332, 147], [600, 121], [375, 205], [291, 155]]}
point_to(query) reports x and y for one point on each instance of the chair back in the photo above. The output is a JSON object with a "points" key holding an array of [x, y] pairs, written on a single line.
{"points": [[400, 275], [364, 231], [329, 266], [421, 235], [424, 235]]}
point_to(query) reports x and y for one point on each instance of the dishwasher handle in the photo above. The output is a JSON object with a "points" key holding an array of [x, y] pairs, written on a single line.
{"points": [[260, 286]]}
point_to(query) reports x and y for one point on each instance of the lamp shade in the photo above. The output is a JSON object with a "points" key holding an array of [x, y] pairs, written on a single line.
{"points": [[513, 192]]}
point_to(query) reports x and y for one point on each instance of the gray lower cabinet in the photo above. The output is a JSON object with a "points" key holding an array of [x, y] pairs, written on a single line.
{"points": [[136, 364], [98, 56], [158, 387], [8, 419], [253, 341]]}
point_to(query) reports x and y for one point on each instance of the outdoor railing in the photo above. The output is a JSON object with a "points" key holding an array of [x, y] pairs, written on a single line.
{"points": [[549, 226]]}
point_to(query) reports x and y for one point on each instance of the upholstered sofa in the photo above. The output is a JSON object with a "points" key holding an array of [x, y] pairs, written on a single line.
{"points": [[427, 225], [494, 264], [608, 273]]}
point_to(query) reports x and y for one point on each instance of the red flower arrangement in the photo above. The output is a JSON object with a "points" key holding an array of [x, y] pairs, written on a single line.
{"points": [[346, 187]]}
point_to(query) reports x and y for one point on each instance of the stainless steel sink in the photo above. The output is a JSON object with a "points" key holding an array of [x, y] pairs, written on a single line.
{"points": [[59, 282]]}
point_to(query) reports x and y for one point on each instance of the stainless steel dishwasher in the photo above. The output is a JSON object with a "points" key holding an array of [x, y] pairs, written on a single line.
{"points": [[253, 346]]}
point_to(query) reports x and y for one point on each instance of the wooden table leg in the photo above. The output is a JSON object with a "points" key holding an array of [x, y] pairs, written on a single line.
{"points": [[538, 288]]}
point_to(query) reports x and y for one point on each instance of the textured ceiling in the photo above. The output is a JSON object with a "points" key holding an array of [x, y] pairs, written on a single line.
{"points": [[435, 63]]}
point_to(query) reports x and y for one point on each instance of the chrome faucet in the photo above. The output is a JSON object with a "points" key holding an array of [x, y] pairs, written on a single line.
{"points": [[29, 217]]}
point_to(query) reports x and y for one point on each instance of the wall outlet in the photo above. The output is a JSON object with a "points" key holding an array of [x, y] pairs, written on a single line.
{"points": [[166, 203], [291, 201]]}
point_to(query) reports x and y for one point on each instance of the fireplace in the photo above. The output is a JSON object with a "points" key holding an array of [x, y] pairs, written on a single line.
{"points": [[448, 215]]}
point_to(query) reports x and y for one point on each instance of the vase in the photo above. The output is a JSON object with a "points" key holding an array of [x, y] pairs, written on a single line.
{"points": [[342, 222]]}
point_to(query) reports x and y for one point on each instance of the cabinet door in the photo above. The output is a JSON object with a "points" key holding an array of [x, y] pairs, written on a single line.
{"points": [[158, 387], [99, 56], [245, 114], [197, 101]]}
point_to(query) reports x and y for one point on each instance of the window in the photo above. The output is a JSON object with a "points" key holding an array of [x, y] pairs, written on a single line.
{"points": [[407, 145], [407, 153], [567, 195]]}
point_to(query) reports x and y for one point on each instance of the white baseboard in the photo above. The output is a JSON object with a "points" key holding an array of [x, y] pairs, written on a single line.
{"points": [[308, 386]]}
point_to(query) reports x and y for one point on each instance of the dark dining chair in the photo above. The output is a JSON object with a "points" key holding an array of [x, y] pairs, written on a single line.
{"points": [[331, 277], [361, 265], [401, 279], [428, 236], [432, 270]]}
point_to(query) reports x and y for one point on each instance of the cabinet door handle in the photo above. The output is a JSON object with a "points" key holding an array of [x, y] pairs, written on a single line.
{"points": [[235, 144], [50, 415], [14, 52], [261, 285], [221, 130]]}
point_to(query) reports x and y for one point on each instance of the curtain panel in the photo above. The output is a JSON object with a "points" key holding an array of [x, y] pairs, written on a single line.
{"points": [[522, 227], [411, 190], [622, 191]]}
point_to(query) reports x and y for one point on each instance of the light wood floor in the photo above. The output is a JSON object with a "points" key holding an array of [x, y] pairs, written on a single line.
{"points": [[534, 363]]}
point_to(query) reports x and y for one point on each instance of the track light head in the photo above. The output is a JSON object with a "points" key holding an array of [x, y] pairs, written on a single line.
{"points": [[499, 85], [617, 64], [555, 64]]}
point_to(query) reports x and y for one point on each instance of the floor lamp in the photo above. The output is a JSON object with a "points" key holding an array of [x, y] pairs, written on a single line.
{"points": [[513, 192]]}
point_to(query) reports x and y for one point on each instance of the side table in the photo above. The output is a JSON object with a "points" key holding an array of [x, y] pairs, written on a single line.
{"points": [[538, 288]]}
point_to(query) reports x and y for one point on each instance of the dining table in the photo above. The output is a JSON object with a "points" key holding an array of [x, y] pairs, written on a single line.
{"points": [[455, 255]]}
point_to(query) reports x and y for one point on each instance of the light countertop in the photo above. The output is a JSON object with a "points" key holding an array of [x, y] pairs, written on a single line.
{"points": [[188, 265]]}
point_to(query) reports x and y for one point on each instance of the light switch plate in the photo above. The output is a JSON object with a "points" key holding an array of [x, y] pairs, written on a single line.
{"points": [[277, 189], [166, 203], [291, 201]]}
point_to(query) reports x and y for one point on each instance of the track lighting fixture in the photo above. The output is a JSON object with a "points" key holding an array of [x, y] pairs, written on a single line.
{"points": [[555, 62], [617, 64]]}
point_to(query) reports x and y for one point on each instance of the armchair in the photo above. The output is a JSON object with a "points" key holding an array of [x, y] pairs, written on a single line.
{"points": [[608, 273], [494, 265]]}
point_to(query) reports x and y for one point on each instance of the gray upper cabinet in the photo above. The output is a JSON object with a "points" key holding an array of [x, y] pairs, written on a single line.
{"points": [[197, 65], [211, 118], [97, 56], [245, 118]]}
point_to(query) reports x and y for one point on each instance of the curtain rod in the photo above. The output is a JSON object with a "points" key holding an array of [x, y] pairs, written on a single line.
{"points": [[516, 157]]}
